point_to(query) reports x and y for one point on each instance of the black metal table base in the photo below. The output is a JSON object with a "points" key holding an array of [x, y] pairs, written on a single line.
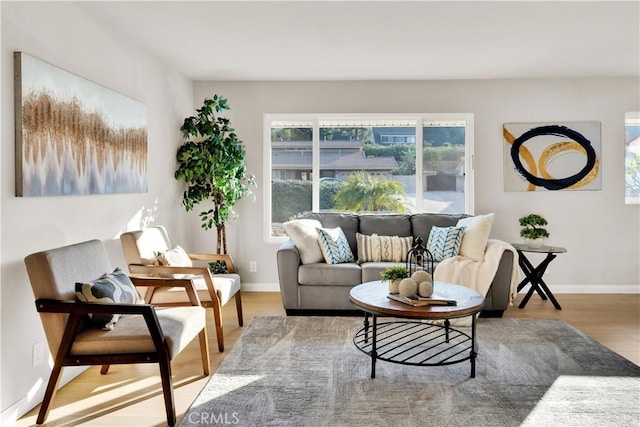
{"points": [[416, 343], [534, 275]]}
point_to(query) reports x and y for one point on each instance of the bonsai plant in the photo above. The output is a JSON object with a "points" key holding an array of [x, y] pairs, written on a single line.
{"points": [[532, 229], [211, 164], [394, 275]]}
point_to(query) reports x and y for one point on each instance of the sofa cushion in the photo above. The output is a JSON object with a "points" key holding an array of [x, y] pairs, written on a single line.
{"points": [[334, 245], [371, 270], [475, 236], [377, 248], [303, 234], [444, 242], [321, 274], [385, 224]]}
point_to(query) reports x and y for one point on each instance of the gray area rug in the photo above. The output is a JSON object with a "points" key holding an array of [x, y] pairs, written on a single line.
{"points": [[306, 371]]}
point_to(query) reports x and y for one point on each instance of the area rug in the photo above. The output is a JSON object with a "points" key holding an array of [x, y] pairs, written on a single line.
{"points": [[306, 371]]}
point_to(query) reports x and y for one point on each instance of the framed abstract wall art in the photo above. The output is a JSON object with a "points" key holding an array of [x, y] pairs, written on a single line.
{"points": [[552, 156], [73, 136], [632, 157]]}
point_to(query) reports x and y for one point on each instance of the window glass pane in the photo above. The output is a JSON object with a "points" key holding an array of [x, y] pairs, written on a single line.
{"points": [[291, 167], [367, 165], [632, 157], [443, 167]]}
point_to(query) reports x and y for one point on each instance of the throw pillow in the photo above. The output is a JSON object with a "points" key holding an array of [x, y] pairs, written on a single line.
{"points": [[475, 236], [394, 248], [111, 288], [368, 248], [444, 242], [303, 234], [334, 245], [375, 248], [176, 257]]}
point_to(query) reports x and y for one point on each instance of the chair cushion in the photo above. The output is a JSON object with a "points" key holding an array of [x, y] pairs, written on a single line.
{"points": [[179, 325], [111, 288], [227, 284]]}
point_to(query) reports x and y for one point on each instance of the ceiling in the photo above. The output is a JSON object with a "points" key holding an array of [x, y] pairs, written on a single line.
{"points": [[382, 40]]}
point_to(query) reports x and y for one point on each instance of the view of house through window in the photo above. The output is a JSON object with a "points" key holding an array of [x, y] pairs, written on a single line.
{"points": [[366, 165]]}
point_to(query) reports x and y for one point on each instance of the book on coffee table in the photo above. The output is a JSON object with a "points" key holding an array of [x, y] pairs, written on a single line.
{"points": [[421, 301]]}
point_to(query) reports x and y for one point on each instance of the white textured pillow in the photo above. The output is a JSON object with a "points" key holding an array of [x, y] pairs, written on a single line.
{"points": [[475, 236], [375, 248], [303, 234], [176, 257]]}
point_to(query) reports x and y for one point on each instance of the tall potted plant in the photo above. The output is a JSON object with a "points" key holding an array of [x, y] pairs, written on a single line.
{"points": [[211, 164]]}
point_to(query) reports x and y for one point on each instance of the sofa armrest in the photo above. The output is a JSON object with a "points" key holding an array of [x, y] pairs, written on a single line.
{"points": [[288, 259], [500, 289]]}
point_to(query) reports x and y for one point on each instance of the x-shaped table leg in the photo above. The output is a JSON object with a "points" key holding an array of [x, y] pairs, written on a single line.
{"points": [[534, 276]]}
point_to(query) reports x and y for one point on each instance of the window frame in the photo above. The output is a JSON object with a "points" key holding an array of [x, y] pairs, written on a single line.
{"points": [[315, 119]]}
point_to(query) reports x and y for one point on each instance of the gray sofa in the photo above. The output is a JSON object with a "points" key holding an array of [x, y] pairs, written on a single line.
{"points": [[320, 288]]}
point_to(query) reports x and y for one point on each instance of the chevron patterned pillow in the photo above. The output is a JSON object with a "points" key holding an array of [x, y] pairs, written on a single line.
{"points": [[334, 245], [444, 242]]}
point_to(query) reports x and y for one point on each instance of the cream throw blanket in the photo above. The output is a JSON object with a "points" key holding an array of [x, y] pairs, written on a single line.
{"points": [[477, 275]]}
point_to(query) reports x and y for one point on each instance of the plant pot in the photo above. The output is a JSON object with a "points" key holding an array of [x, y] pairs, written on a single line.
{"points": [[394, 286], [535, 243]]}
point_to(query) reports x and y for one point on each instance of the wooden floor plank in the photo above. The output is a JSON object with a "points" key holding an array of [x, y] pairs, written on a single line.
{"points": [[131, 395]]}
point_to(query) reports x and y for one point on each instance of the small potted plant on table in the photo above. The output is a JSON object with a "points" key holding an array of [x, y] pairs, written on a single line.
{"points": [[532, 230], [394, 275]]}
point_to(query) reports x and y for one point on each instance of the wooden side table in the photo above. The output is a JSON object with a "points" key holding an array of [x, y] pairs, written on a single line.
{"points": [[534, 275]]}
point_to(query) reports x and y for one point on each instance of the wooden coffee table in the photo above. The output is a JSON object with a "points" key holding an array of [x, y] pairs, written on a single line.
{"points": [[412, 337]]}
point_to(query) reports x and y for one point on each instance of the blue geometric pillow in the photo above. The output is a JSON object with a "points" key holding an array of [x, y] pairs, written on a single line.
{"points": [[334, 245], [111, 288], [444, 242]]}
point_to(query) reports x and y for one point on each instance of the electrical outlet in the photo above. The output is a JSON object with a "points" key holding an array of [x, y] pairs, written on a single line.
{"points": [[38, 354], [253, 266]]}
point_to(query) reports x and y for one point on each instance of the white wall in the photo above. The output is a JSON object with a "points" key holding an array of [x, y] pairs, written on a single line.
{"points": [[64, 35], [600, 232]]}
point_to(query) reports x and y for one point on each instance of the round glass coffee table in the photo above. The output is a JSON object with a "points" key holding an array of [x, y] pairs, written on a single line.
{"points": [[413, 336]]}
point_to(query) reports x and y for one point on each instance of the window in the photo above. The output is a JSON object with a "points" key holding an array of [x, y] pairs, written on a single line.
{"points": [[369, 163]]}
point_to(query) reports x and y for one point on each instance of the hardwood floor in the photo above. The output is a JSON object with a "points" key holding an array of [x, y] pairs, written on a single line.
{"points": [[131, 395]]}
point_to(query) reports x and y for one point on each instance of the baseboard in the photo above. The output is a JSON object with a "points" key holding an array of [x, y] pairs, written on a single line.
{"points": [[592, 289], [556, 289], [260, 287], [13, 413]]}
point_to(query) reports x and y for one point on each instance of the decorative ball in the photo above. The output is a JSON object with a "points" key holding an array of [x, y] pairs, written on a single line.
{"points": [[421, 276], [425, 289], [408, 288]]}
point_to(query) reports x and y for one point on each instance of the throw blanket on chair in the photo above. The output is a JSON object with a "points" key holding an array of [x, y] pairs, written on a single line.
{"points": [[477, 275]]}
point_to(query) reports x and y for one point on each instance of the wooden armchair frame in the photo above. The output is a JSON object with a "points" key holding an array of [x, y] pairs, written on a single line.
{"points": [[77, 312], [216, 302]]}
